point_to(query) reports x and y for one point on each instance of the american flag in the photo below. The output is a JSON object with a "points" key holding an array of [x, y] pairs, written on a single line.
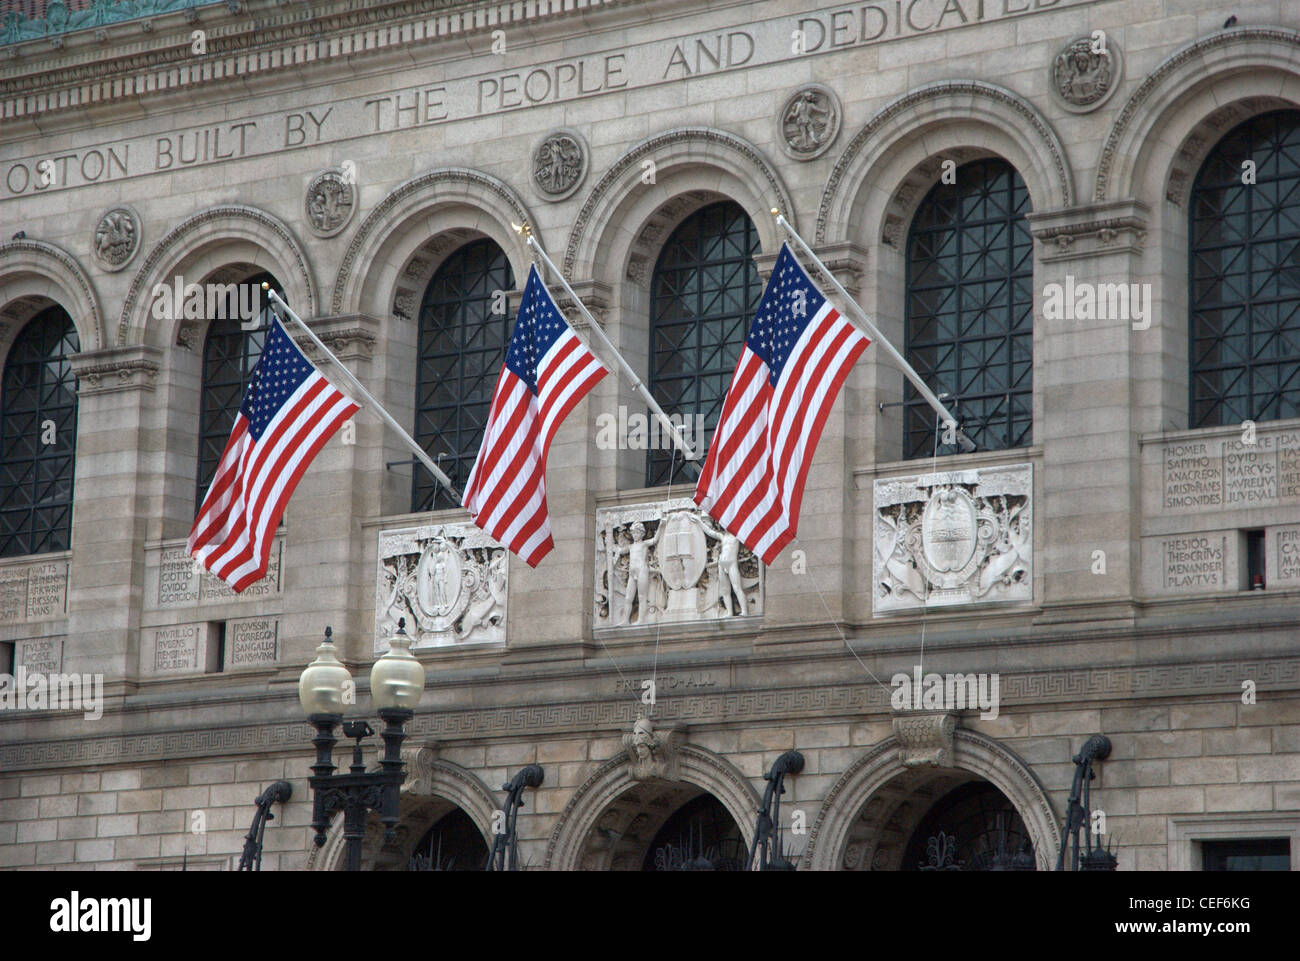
{"points": [[547, 371], [796, 357], [287, 415]]}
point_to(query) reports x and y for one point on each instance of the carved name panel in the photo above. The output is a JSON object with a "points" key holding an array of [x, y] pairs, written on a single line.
{"points": [[670, 562], [253, 641], [957, 537], [174, 650], [1226, 472], [174, 580], [449, 581], [1195, 563], [1282, 556], [33, 592], [41, 655]]}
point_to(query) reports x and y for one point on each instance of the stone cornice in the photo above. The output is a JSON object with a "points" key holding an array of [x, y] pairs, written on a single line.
{"points": [[116, 369], [124, 60], [612, 715], [1091, 230]]}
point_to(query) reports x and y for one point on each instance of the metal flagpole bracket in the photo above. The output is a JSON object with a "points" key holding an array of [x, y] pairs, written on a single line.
{"points": [[687, 451], [281, 309], [949, 421]]}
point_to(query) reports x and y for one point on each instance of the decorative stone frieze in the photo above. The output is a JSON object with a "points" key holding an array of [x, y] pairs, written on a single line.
{"points": [[449, 581], [670, 562], [956, 537], [1091, 230], [116, 369]]}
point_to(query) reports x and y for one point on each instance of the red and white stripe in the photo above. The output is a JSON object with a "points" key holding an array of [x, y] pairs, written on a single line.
{"points": [[506, 491], [754, 475], [234, 528]]}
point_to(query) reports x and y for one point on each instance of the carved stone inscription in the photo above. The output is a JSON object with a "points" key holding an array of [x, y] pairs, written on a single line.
{"points": [[178, 581], [960, 537], [42, 654], [254, 641], [176, 649], [669, 561], [1227, 472], [1195, 563], [450, 582], [33, 592], [1282, 555]]}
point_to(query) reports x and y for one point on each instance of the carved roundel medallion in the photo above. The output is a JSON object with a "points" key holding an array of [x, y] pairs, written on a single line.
{"points": [[1086, 73], [809, 121], [559, 164], [330, 203], [116, 238]]}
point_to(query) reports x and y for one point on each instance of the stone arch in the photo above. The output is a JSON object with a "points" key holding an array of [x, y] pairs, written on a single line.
{"points": [[697, 766], [622, 217], [877, 179], [35, 274], [432, 789], [205, 244], [1171, 121], [863, 792], [415, 225]]}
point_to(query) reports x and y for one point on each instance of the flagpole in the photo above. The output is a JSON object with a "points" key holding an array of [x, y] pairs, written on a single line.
{"points": [[640, 387], [278, 304], [966, 443]]}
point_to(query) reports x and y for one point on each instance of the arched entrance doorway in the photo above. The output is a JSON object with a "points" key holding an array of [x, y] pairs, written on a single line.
{"points": [[973, 827], [454, 843], [615, 822], [981, 805]]}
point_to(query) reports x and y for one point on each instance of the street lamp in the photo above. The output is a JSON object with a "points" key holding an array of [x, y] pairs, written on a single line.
{"points": [[325, 687]]}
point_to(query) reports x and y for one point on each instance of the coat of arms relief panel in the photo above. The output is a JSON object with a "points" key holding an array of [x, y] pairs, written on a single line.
{"points": [[449, 581], [957, 537], [669, 562]]}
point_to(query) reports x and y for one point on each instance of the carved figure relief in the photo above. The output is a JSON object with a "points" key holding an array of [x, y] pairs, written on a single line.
{"points": [[449, 581], [1086, 73], [116, 239], [961, 537], [652, 756], [670, 562], [559, 164], [330, 203], [809, 121]]}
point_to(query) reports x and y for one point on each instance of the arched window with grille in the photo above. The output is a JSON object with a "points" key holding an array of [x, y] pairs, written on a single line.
{"points": [[703, 296], [970, 310], [230, 354], [1244, 276], [462, 345], [38, 436]]}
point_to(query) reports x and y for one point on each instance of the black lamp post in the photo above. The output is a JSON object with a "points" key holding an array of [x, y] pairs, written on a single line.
{"points": [[325, 688], [1078, 816]]}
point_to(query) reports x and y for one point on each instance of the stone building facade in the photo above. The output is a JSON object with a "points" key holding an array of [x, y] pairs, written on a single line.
{"points": [[1105, 546]]}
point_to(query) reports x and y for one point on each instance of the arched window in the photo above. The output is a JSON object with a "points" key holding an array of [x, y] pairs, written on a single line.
{"points": [[1244, 276], [38, 436], [461, 349], [970, 309], [704, 294], [229, 355]]}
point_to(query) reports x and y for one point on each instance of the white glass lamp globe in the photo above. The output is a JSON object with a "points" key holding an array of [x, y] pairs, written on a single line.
{"points": [[322, 684], [397, 679]]}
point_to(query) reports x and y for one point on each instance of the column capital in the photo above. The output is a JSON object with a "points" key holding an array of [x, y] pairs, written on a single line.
{"points": [[1091, 230], [115, 369]]}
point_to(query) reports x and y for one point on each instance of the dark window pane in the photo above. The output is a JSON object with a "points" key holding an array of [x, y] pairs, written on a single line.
{"points": [[462, 345], [970, 302], [1244, 276], [703, 295], [38, 436], [1268, 854]]}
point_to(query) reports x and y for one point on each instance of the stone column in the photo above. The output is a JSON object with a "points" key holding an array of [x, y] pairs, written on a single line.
{"points": [[119, 428]]}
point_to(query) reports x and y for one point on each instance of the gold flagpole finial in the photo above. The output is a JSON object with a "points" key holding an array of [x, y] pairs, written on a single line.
{"points": [[266, 285], [524, 229]]}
